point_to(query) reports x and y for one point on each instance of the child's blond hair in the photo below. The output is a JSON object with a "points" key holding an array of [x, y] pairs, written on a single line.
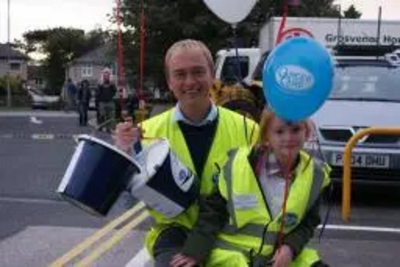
{"points": [[265, 121]]}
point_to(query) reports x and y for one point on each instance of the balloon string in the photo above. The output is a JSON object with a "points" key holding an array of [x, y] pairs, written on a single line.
{"points": [[288, 178], [121, 73], [142, 44], [236, 46], [283, 22]]}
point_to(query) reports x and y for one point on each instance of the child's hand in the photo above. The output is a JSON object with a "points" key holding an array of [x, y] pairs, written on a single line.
{"points": [[180, 260], [283, 256]]}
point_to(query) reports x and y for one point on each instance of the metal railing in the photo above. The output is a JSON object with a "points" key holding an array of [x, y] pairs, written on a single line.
{"points": [[346, 197], [136, 214]]}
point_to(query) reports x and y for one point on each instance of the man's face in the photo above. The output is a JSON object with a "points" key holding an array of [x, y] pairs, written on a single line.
{"points": [[189, 76], [106, 76]]}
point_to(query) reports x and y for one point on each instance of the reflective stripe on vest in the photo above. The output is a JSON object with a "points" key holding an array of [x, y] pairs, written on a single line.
{"points": [[228, 173]]}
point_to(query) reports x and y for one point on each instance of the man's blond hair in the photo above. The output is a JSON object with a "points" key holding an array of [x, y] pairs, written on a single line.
{"points": [[186, 45]]}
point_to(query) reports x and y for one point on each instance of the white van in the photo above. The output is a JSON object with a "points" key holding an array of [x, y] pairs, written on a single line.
{"points": [[226, 65]]}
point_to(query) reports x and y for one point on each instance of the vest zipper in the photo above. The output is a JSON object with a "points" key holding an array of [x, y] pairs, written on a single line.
{"points": [[266, 206]]}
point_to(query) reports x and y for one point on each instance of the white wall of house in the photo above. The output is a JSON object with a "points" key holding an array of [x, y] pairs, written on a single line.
{"points": [[81, 71], [16, 67]]}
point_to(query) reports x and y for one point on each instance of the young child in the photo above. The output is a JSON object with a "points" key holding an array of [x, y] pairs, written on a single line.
{"points": [[251, 191]]}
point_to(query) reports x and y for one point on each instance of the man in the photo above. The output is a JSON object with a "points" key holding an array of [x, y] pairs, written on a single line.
{"points": [[105, 99], [83, 99], [70, 95], [199, 133]]}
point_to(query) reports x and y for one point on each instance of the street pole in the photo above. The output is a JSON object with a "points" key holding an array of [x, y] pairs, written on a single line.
{"points": [[8, 56]]}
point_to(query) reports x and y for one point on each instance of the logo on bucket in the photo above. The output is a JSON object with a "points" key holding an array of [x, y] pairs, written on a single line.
{"points": [[183, 177], [294, 78]]}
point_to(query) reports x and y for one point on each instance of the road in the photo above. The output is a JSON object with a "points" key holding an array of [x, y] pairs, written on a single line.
{"points": [[36, 226]]}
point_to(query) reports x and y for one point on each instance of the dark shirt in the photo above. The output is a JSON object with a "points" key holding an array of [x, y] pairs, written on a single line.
{"points": [[71, 88], [106, 92], [199, 141], [84, 95]]}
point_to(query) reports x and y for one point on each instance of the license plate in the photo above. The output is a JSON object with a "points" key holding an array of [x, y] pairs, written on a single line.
{"points": [[362, 160]]}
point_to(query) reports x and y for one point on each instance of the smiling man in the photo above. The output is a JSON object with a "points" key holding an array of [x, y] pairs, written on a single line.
{"points": [[200, 134]]}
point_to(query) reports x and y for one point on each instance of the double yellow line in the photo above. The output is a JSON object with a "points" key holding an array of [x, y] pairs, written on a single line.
{"points": [[139, 213]]}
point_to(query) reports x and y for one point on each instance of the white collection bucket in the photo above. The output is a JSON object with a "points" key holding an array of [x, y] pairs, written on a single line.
{"points": [[164, 183]]}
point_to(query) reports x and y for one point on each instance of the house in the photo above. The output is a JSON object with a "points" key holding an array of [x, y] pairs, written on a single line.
{"points": [[13, 62], [36, 77], [90, 66]]}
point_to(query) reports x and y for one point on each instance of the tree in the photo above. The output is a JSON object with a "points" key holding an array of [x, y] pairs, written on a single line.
{"points": [[59, 47], [179, 19], [352, 13]]}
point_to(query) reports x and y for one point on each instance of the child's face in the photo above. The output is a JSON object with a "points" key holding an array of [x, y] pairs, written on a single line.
{"points": [[286, 138]]}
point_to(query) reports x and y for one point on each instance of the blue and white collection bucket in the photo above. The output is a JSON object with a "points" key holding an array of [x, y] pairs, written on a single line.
{"points": [[96, 175], [164, 183]]}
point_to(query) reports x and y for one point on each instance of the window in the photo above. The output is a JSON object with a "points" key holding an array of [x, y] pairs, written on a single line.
{"points": [[87, 70], [366, 82], [230, 71], [15, 66], [38, 81]]}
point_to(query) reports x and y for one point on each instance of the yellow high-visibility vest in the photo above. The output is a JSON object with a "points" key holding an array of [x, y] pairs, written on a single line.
{"points": [[233, 131], [250, 223]]}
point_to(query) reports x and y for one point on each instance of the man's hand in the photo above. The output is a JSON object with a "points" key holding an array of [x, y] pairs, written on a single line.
{"points": [[283, 256], [180, 260], [125, 135]]}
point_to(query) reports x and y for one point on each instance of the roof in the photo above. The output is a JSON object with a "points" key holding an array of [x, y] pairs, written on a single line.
{"points": [[100, 55], [7, 50]]}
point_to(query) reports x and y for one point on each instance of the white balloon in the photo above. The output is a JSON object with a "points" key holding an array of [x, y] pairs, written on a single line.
{"points": [[231, 11]]}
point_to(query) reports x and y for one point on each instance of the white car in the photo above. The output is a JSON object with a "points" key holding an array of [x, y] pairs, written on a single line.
{"points": [[366, 94], [39, 100]]}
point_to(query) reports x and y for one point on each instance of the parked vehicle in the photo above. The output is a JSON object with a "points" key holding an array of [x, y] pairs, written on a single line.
{"points": [[329, 31], [366, 94], [40, 100], [226, 67]]}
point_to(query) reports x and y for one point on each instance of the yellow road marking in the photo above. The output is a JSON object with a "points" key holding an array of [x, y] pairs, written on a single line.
{"points": [[110, 243], [99, 234]]}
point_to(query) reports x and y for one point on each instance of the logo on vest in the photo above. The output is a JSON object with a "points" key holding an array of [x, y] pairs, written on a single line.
{"points": [[291, 219], [182, 175]]}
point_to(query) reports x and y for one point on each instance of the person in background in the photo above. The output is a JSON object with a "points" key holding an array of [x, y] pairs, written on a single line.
{"points": [[105, 98], [83, 99], [251, 192], [199, 133], [70, 95]]}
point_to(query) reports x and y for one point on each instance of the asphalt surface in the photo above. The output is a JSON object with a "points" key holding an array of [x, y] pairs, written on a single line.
{"points": [[36, 226]]}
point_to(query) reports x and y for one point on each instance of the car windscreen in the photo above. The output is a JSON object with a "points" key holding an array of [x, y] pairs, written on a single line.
{"points": [[366, 83], [230, 71], [257, 75]]}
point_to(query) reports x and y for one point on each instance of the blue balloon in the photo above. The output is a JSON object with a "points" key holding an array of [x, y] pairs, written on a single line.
{"points": [[297, 78]]}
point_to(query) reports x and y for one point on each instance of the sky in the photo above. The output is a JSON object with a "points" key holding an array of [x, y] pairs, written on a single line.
{"points": [[87, 14]]}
